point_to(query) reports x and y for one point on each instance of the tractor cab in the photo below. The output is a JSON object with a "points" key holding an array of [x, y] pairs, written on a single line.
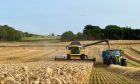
{"points": [[115, 52]]}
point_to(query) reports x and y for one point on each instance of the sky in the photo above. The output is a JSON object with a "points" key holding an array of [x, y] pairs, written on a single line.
{"points": [[57, 16]]}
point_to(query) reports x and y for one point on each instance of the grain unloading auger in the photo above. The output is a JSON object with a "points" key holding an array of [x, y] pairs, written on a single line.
{"points": [[76, 51]]}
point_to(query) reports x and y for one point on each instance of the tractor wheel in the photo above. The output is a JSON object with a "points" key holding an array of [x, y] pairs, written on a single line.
{"points": [[110, 61], [83, 57], [123, 62], [94, 61], [114, 61], [68, 57]]}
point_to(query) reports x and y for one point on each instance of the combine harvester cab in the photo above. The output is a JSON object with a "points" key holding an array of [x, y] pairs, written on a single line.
{"points": [[75, 51], [113, 56]]}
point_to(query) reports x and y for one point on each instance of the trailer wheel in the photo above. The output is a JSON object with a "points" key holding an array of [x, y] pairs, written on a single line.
{"points": [[123, 62], [68, 57], [104, 61]]}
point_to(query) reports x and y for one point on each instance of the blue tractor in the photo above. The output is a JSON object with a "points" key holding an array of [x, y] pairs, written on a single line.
{"points": [[113, 56]]}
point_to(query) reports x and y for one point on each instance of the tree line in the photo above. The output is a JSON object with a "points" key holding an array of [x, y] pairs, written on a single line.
{"points": [[8, 33], [90, 32], [112, 32]]}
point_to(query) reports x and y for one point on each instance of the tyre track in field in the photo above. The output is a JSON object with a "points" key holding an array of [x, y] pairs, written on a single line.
{"points": [[5, 52], [133, 52], [14, 56], [25, 55], [42, 56], [132, 55], [59, 53], [101, 75], [37, 55]]}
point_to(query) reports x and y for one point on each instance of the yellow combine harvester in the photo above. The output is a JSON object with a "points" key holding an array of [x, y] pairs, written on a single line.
{"points": [[76, 51]]}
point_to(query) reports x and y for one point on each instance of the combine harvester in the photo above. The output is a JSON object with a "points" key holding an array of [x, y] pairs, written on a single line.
{"points": [[76, 51]]}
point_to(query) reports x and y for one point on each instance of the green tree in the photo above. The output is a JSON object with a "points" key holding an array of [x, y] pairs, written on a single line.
{"points": [[79, 36], [53, 34], [3, 33], [113, 32], [92, 32], [9, 33], [67, 36]]}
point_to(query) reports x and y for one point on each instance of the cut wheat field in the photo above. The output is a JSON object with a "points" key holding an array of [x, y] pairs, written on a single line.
{"points": [[33, 63]]}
